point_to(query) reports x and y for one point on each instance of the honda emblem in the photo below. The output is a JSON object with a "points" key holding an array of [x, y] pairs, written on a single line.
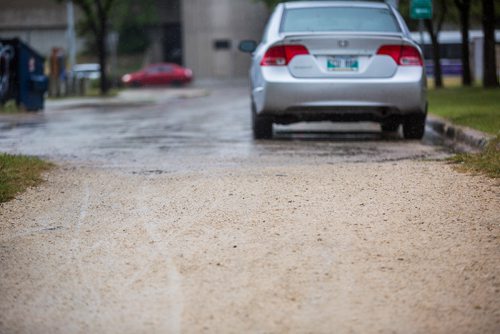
{"points": [[343, 44]]}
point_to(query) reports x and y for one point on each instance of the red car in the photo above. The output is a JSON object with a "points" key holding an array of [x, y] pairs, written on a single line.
{"points": [[159, 74]]}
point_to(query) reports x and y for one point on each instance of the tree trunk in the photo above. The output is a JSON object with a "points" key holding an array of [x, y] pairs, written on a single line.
{"points": [[436, 54], [490, 78], [102, 54], [464, 9]]}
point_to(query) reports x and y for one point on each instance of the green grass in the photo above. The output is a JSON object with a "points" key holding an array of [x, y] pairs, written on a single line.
{"points": [[474, 107], [95, 92], [9, 107], [477, 108], [17, 173], [91, 92], [448, 81], [487, 161]]}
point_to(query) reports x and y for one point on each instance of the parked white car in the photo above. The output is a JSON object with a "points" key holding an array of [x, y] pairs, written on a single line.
{"points": [[87, 71]]}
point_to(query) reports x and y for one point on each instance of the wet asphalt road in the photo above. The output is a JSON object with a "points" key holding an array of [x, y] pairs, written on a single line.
{"points": [[191, 133]]}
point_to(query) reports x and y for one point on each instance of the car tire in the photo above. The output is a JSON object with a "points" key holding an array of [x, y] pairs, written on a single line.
{"points": [[389, 126], [135, 84], [262, 126], [414, 126], [177, 83]]}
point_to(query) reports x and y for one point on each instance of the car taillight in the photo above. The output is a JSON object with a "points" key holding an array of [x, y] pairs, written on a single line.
{"points": [[281, 55], [126, 78], [403, 55]]}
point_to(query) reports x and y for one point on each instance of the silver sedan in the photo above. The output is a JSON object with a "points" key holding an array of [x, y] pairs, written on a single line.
{"points": [[337, 61]]}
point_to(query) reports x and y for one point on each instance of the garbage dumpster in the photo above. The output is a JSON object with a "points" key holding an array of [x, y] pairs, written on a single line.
{"points": [[21, 75]]}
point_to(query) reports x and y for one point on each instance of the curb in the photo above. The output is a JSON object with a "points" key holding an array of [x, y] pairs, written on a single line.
{"points": [[459, 135], [128, 98], [95, 103]]}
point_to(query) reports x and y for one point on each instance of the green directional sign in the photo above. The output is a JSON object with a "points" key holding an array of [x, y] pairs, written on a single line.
{"points": [[421, 9]]}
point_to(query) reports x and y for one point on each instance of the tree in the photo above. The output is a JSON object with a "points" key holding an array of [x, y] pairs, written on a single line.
{"points": [[96, 19], [434, 27], [463, 7], [132, 19], [490, 78]]}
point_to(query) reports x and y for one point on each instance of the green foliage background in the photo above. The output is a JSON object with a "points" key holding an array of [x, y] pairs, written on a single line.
{"points": [[131, 19], [404, 9]]}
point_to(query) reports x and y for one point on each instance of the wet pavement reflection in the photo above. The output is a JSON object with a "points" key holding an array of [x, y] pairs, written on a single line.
{"points": [[193, 133]]}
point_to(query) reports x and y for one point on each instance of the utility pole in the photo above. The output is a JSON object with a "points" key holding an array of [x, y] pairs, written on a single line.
{"points": [[71, 41]]}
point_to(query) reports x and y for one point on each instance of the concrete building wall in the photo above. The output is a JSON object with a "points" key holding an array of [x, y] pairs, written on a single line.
{"points": [[32, 14], [206, 22], [40, 23]]}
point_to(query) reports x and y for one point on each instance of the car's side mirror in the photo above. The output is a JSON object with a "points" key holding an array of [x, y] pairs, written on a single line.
{"points": [[247, 46]]}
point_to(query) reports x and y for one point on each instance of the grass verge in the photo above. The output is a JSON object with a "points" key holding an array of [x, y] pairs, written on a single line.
{"points": [[448, 81], [17, 173], [9, 107], [474, 107], [486, 162], [95, 92]]}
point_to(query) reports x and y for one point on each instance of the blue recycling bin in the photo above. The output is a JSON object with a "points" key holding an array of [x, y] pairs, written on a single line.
{"points": [[22, 75]]}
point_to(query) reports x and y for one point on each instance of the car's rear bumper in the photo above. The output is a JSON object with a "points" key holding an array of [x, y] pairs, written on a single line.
{"points": [[280, 95]]}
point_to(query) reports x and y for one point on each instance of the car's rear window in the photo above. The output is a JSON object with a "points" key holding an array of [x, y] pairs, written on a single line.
{"points": [[326, 19]]}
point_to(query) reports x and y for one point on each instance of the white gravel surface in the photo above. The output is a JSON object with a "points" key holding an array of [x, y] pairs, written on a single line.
{"points": [[389, 247]]}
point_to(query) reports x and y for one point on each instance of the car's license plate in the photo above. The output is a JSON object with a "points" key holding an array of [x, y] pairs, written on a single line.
{"points": [[342, 63]]}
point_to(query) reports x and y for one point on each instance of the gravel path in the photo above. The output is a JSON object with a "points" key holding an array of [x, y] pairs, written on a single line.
{"points": [[378, 247]]}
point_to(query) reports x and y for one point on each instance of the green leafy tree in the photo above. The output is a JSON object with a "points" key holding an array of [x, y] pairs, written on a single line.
{"points": [[96, 20], [132, 19]]}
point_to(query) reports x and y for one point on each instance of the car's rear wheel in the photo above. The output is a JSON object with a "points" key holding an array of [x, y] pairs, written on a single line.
{"points": [[177, 83], [414, 126], [262, 126]]}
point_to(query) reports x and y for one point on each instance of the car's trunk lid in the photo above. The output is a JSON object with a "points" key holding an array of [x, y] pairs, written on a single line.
{"points": [[342, 55]]}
